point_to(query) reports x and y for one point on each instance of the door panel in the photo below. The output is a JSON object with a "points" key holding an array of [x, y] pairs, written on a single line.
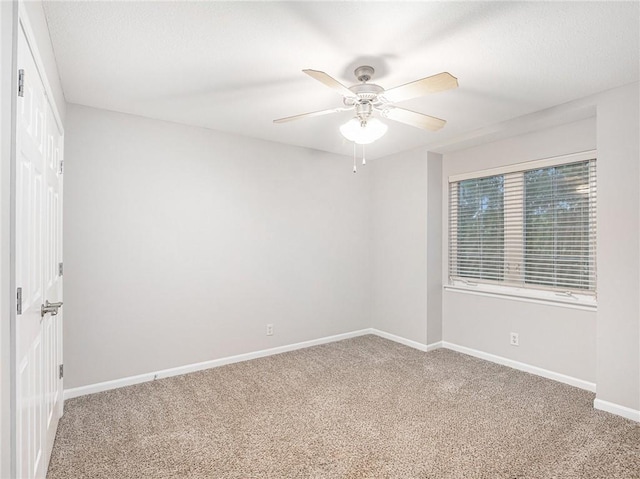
{"points": [[52, 324], [29, 264]]}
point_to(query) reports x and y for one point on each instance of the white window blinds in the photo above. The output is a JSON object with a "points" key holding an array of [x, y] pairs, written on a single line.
{"points": [[530, 228]]}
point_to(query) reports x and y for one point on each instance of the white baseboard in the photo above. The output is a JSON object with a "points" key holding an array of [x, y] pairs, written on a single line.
{"points": [[614, 408], [545, 373], [407, 342], [165, 373], [189, 368]]}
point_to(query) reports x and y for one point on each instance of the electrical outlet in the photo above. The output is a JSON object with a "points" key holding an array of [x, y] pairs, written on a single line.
{"points": [[514, 340], [269, 329]]}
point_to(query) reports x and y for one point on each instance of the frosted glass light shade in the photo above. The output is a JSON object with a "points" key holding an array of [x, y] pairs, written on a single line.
{"points": [[362, 135]]}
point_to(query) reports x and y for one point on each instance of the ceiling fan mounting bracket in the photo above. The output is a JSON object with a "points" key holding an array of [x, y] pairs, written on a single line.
{"points": [[364, 73]]}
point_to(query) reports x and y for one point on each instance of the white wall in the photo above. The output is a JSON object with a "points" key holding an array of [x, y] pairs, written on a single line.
{"points": [[398, 237], [182, 243], [434, 247], [600, 347], [551, 337], [405, 237], [618, 371]]}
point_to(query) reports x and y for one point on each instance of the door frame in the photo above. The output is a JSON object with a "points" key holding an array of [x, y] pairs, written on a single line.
{"points": [[13, 17], [8, 99]]}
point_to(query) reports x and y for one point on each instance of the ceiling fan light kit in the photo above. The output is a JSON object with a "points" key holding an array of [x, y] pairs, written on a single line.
{"points": [[366, 98], [363, 132]]}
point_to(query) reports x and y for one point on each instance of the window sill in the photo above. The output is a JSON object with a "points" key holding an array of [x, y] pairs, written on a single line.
{"points": [[526, 295]]}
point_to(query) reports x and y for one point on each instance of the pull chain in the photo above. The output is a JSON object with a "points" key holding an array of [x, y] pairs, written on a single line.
{"points": [[364, 160], [354, 157]]}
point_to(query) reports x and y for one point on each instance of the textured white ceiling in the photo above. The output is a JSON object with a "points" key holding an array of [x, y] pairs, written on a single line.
{"points": [[236, 66]]}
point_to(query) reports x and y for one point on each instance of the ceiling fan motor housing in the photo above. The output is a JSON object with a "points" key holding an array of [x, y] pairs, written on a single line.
{"points": [[365, 93]]}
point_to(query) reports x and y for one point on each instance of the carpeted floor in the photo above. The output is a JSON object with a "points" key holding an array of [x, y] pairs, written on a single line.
{"points": [[360, 408]]}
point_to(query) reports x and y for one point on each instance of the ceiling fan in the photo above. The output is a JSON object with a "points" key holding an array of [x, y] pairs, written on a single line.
{"points": [[366, 98]]}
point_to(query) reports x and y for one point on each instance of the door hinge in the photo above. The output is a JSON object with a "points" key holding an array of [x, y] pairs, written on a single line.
{"points": [[61, 166], [61, 371], [19, 301], [60, 269], [20, 82]]}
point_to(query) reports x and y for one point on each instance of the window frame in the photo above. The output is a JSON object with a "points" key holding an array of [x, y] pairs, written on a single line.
{"points": [[537, 293]]}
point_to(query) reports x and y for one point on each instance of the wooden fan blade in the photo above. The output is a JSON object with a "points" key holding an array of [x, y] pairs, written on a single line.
{"points": [[413, 118], [440, 82], [330, 82], [311, 114]]}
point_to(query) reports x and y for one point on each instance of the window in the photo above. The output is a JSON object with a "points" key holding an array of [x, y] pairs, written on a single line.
{"points": [[530, 227]]}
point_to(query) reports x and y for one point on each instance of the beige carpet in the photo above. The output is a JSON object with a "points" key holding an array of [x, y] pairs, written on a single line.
{"points": [[359, 408]]}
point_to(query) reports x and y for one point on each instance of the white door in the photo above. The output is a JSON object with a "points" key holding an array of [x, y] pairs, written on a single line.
{"points": [[52, 323], [38, 252]]}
